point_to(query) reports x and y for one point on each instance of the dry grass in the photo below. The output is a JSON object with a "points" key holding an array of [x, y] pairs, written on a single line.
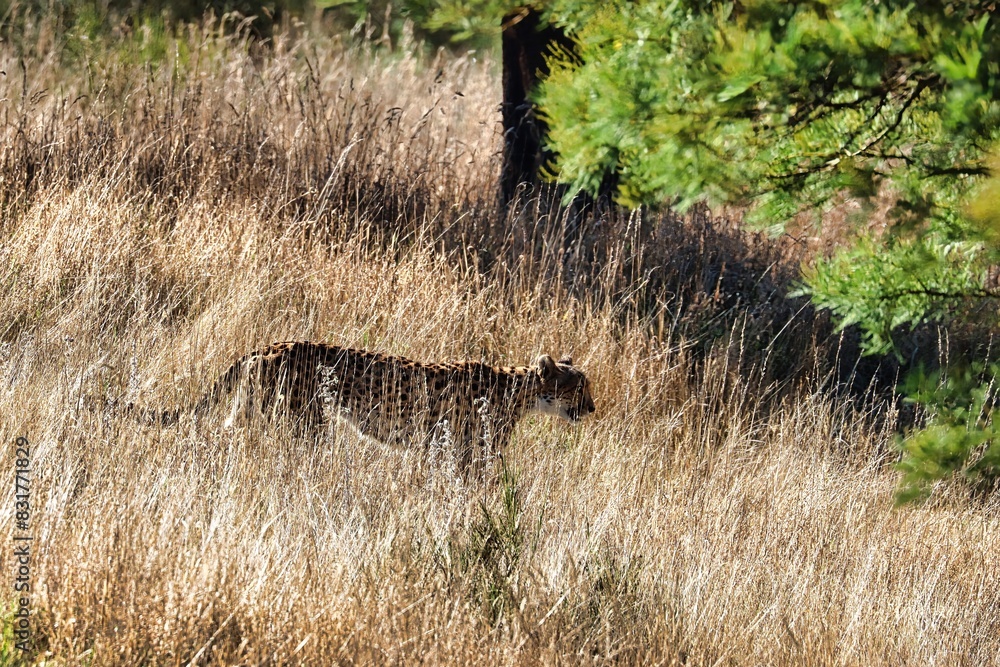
{"points": [[723, 508]]}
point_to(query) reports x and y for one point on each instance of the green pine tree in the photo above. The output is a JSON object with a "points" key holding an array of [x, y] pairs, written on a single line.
{"points": [[789, 107]]}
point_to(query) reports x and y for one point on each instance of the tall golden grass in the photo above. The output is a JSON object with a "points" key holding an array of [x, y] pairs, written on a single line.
{"points": [[726, 506]]}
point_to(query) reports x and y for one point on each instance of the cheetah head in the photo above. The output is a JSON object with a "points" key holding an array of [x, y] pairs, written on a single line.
{"points": [[564, 391]]}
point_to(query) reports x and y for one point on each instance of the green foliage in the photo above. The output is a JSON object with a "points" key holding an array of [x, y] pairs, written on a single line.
{"points": [[961, 438], [149, 40], [12, 649], [793, 108], [9, 653], [784, 104], [896, 284], [434, 22], [93, 30], [474, 23], [496, 543]]}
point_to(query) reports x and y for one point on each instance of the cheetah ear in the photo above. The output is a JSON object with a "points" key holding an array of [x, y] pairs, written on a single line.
{"points": [[566, 361], [545, 366]]}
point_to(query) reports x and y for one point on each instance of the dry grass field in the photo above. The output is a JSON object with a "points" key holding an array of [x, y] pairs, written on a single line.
{"points": [[730, 503]]}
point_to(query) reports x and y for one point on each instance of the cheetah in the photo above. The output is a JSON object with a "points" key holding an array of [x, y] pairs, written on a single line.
{"points": [[396, 400]]}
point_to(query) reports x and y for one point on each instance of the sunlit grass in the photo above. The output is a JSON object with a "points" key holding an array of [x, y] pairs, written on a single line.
{"points": [[721, 508]]}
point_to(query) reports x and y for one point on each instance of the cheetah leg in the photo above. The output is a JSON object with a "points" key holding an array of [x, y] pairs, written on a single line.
{"points": [[240, 405], [242, 395]]}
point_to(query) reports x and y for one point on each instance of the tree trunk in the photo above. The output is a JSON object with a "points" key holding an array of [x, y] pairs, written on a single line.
{"points": [[525, 47]]}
